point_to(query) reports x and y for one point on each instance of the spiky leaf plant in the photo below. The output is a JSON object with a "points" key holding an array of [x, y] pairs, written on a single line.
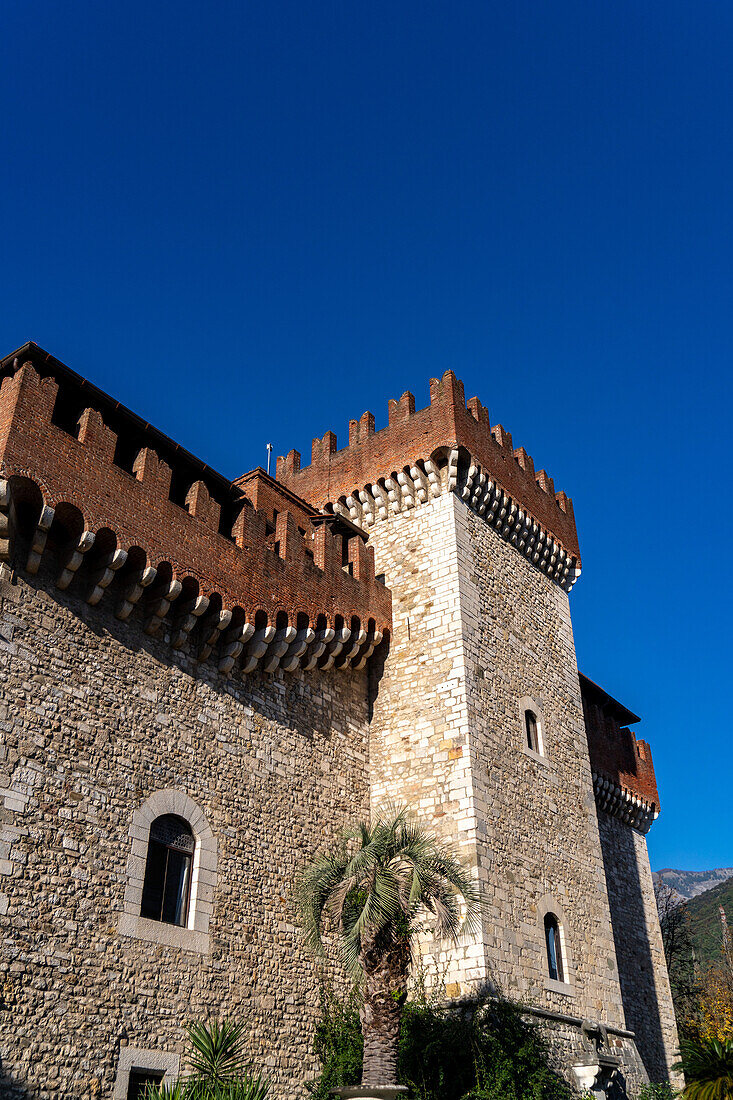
{"points": [[708, 1068], [216, 1051], [377, 888]]}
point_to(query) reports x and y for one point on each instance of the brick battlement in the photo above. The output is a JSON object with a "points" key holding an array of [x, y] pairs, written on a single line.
{"points": [[450, 439], [116, 509], [623, 772]]}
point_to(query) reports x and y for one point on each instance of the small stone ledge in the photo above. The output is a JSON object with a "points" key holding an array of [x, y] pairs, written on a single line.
{"points": [[172, 935], [565, 989]]}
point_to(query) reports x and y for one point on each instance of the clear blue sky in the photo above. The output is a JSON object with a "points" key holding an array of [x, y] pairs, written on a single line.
{"points": [[252, 222]]}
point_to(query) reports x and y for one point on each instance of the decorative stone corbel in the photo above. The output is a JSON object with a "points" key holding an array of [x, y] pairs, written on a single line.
{"points": [[257, 647], [233, 643], [39, 539], [296, 649], [211, 628], [160, 606], [278, 647], [7, 521], [102, 577], [317, 648], [141, 580], [335, 646], [74, 556], [190, 612]]}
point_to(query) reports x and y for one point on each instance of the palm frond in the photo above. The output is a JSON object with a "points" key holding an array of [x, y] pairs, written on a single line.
{"points": [[376, 881]]}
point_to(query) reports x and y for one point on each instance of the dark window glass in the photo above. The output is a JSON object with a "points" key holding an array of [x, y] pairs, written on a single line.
{"points": [[530, 725], [139, 1080], [554, 950], [168, 871]]}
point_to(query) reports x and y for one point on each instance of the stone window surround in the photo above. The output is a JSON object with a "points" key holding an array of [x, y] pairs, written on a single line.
{"points": [[195, 935], [549, 904], [137, 1058], [525, 704]]}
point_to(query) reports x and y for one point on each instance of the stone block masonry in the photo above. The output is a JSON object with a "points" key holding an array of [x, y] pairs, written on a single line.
{"points": [[97, 716], [478, 634]]}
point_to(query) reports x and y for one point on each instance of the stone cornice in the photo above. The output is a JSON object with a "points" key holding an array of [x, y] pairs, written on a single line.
{"points": [[621, 803], [430, 478]]}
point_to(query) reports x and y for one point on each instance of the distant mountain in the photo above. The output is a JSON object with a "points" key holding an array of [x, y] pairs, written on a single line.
{"points": [[705, 926], [690, 884]]}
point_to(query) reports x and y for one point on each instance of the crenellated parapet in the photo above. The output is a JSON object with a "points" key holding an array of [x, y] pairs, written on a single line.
{"points": [[117, 512], [449, 446], [624, 782]]}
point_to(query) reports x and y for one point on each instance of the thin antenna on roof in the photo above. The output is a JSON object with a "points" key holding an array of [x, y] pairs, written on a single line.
{"points": [[269, 456]]}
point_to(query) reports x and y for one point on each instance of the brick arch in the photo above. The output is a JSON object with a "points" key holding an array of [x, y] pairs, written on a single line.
{"points": [[195, 936]]}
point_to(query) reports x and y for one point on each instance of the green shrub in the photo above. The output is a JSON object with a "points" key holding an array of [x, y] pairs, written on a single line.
{"points": [[661, 1091], [479, 1050], [338, 1045], [218, 1068]]}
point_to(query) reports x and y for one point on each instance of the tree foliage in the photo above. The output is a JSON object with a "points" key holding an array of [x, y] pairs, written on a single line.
{"points": [[708, 1068], [481, 1049], [381, 885]]}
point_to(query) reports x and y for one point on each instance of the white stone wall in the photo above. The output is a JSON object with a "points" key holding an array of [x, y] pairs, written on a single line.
{"points": [[419, 748]]}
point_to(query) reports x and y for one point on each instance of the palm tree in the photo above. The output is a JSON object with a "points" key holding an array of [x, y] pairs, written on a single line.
{"points": [[375, 887], [708, 1069]]}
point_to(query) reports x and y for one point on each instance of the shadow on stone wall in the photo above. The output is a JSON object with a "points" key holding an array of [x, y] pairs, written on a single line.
{"points": [[633, 948], [254, 689], [11, 1088]]}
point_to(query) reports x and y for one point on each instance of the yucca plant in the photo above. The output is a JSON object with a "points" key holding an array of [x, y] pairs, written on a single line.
{"points": [[376, 888], [216, 1057], [218, 1068], [708, 1068]]}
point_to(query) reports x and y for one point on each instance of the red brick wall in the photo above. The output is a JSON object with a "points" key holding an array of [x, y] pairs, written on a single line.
{"points": [[248, 570], [445, 423], [615, 751]]}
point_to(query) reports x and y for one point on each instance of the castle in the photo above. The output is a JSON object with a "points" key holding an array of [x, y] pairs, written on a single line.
{"points": [[204, 680]]}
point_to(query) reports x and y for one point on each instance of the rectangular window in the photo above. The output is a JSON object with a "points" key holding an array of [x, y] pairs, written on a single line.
{"points": [[140, 1079]]}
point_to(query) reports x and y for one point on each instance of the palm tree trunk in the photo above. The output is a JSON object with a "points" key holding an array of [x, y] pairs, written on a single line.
{"points": [[385, 988]]}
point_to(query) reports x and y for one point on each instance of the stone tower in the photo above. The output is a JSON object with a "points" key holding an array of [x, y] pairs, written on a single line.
{"points": [[480, 554]]}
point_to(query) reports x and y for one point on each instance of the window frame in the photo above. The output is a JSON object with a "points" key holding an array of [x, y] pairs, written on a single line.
{"points": [[540, 753], [143, 1060], [549, 906], [194, 936], [553, 949], [186, 872]]}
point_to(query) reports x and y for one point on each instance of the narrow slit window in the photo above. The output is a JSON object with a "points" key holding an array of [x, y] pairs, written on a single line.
{"points": [[554, 948], [532, 730], [167, 884]]}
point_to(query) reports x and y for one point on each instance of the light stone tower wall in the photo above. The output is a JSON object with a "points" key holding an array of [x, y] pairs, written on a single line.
{"points": [[477, 633]]}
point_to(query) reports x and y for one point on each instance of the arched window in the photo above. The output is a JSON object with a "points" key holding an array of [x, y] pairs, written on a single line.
{"points": [[554, 948], [167, 883], [531, 729]]}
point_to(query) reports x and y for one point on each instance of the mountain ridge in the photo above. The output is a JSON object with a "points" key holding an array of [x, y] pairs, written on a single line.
{"points": [[690, 884]]}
